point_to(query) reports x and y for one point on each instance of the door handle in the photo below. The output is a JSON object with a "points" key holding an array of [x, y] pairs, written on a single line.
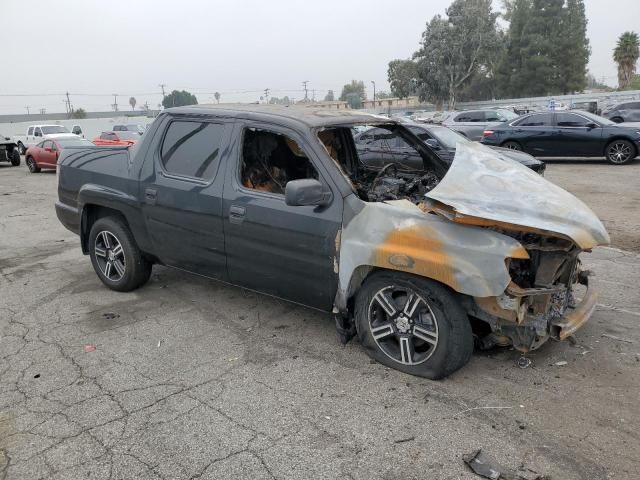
{"points": [[236, 214], [150, 196]]}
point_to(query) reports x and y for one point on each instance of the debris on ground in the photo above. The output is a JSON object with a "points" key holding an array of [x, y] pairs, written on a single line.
{"points": [[524, 362], [403, 440], [89, 348], [561, 363], [110, 315], [487, 467], [613, 337]]}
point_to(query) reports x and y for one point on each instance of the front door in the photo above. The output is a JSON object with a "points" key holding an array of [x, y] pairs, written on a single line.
{"points": [[577, 135], [47, 156], [182, 195], [274, 248]]}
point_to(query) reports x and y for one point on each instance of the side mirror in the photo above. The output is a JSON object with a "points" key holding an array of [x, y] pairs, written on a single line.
{"points": [[592, 125], [433, 144], [307, 191]]}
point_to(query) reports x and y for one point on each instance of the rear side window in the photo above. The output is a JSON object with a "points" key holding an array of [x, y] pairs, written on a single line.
{"points": [[470, 117], [192, 149], [537, 120]]}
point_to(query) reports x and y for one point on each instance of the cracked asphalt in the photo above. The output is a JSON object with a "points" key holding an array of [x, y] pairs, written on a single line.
{"points": [[195, 379]]}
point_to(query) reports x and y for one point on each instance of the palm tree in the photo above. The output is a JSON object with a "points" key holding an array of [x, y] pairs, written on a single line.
{"points": [[626, 55], [217, 96], [132, 102]]}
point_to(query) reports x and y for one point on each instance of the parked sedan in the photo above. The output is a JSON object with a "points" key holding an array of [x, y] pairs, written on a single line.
{"points": [[46, 153], [377, 147], [623, 112], [112, 139], [567, 134], [471, 123]]}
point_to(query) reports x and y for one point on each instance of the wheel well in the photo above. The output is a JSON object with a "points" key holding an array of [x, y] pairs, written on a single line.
{"points": [[635, 148], [91, 213]]}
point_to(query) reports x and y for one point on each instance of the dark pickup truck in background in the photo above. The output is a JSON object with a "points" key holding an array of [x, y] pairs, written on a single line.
{"points": [[415, 261]]}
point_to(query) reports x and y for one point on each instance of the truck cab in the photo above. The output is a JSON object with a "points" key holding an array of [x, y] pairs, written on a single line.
{"points": [[37, 133]]}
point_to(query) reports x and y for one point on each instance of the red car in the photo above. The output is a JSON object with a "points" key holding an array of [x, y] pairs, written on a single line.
{"points": [[116, 138], [45, 154]]}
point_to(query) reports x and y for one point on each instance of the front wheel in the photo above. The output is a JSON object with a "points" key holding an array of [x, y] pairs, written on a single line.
{"points": [[115, 255], [412, 324], [511, 145], [620, 151], [32, 165]]}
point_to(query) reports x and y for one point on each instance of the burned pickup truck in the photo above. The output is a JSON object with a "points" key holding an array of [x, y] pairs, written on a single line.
{"points": [[416, 263]]}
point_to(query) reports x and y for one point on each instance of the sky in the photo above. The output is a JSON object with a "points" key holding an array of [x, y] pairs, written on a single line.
{"points": [[95, 48]]}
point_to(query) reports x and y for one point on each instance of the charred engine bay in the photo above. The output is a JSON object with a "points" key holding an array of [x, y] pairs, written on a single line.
{"points": [[392, 183]]}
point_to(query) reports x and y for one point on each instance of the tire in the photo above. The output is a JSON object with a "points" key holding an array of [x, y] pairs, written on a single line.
{"points": [[617, 119], [21, 148], [620, 152], [431, 307], [512, 145], [129, 269], [15, 157], [32, 165]]}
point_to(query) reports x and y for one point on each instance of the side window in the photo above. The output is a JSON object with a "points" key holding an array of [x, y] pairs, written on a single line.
{"points": [[470, 117], [192, 148], [46, 144], [570, 120], [537, 120], [494, 116], [30, 131], [270, 160], [117, 128], [77, 130], [37, 132], [634, 105]]}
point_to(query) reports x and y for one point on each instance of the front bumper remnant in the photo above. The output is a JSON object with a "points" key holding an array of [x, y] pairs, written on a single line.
{"points": [[574, 318]]}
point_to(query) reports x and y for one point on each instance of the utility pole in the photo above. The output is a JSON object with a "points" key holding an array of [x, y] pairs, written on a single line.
{"points": [[374, 92], [266, 95], [27, 107], [313, 94], [306, 95], [68, 103], [43, 111], [115, 102], [162, 85]]}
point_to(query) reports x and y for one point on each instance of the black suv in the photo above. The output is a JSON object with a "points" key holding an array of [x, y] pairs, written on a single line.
{"points": [[623, 112]]}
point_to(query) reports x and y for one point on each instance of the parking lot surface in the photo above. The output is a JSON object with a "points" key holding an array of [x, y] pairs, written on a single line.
{"points": [[189, 378]]}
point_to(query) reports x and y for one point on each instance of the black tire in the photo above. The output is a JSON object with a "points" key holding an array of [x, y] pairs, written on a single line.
{"points": [[32, 165], [22, 149], [437, 313], [512, 145], [617, 119], [129, 268], [14, 156], [620, 151]]}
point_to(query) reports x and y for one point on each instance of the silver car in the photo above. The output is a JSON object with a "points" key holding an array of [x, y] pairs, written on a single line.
{"points": [[471, 123]]}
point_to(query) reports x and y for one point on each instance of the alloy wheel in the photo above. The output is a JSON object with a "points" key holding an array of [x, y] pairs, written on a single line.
{"points": [[512, 146], [619, 152], [31, 164], [403, 325], [109, 256]]}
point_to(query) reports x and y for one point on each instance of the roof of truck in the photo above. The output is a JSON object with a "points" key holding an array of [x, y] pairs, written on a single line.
{"points": [[309, 115]]}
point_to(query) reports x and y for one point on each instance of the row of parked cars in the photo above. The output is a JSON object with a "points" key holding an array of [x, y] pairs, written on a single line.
{"points": [[42, 144], [572, 133]]}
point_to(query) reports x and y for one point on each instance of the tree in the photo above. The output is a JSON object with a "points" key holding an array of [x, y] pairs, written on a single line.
{"points": [[509, 71], [402, 76], [280, 101], [217, 97], [79, 113], [626, 55], [179, 99], [132, 102], [572, 53], [329, 97], [454, 48], [356, 86]]}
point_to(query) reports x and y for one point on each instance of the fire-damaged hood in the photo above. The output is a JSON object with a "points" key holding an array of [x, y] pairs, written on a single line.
{"points": [[484, 187]]}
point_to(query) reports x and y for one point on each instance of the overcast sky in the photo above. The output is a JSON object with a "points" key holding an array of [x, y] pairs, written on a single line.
{"points": [[235, 47]]}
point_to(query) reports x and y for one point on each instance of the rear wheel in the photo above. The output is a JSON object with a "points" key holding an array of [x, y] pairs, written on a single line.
{"points": [[412, 324], [512, 145], [14, 156], [620, 151], [617, 119], [115, 256], [32, 165]]}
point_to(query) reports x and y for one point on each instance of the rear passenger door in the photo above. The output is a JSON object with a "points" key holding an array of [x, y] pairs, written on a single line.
{"points": [[182, 194], [536, 133]]}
